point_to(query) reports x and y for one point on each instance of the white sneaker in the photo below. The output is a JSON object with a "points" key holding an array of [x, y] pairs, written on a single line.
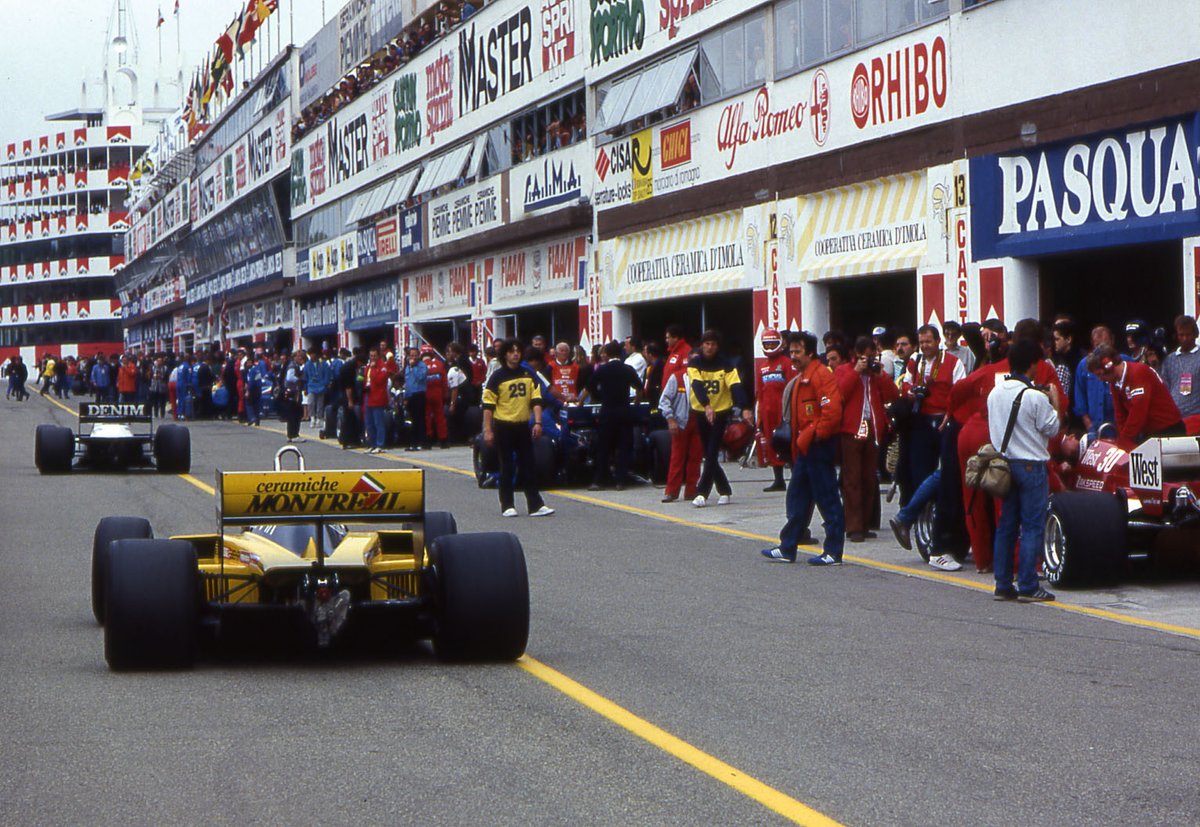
{"points": [[723, 499], [544, 511], [945, 562], [509, 512], [700, 501]]}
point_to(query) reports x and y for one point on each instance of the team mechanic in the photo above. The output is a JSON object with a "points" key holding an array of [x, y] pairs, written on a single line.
{"points": [[510, 396], [1141, 402], [770, 380]]}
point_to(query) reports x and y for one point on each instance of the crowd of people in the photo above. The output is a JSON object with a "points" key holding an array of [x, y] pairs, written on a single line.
{"points": [[890, 408]]}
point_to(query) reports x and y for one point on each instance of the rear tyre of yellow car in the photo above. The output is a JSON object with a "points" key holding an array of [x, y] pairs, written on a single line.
{"points": [[439, 524], [53, 449], [480, 597], [109, 530], [173, 449], [151, 605]]}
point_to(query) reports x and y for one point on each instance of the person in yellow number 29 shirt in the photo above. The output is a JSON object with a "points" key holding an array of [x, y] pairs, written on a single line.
{"points": [[715, 390], [510, 395]]}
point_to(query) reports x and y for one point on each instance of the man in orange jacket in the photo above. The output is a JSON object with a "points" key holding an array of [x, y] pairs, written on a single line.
{"points": [[814, 408]]}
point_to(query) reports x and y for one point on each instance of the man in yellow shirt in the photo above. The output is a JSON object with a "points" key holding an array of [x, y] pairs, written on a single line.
{"points": [[715, 388], [510, 396]]}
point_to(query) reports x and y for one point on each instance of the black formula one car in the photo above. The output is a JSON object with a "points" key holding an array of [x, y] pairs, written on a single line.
{"points": [[116, 435]]}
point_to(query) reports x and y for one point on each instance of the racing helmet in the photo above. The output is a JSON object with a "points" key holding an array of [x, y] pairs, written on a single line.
{"points": [[771, 341], [1139, 330]]}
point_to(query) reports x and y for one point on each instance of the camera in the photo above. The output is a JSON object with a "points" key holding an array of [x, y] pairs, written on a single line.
{"points": [[920, 393], [874, 366]]}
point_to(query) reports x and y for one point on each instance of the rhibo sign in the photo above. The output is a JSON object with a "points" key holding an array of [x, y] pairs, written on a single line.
{"points": [[1131, 186]]}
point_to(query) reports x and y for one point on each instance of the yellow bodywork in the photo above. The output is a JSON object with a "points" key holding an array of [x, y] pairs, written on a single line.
{"points": [[239, 566]]}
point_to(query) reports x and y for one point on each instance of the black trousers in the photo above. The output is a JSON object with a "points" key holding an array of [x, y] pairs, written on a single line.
{"points": [[415, 407], [515, 438], [614, 434], [290, 412], [710, 438]]}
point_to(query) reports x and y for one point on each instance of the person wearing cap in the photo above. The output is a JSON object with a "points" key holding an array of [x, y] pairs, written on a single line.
{"points": [[774, 372], [1141, 402], [1137, 337]]}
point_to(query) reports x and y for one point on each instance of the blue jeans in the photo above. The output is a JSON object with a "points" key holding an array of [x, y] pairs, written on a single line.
{"points": [[926, 492], [813, 480], [378, 427], [1026, 503]]}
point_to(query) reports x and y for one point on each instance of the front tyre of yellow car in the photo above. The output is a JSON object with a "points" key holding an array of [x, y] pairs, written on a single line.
{"points": [[151, 605], [481, 597]]}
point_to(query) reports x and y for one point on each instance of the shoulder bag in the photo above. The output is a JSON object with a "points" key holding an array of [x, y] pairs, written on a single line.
{"points": [[988, 470]]}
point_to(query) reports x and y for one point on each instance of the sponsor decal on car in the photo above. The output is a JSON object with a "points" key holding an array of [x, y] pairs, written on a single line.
{"points": [[333, 493]]}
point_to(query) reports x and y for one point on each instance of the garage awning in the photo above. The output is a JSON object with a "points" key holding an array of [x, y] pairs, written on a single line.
{"points": [[703, 255], [444, 169], [877, 226], [648, 90]]}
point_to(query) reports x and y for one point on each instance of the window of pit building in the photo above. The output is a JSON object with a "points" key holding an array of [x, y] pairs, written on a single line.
{"points": [[809, 32], [554, 125]]}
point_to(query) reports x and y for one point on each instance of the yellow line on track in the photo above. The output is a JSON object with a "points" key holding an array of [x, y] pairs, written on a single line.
{"points": [[769, 797]]}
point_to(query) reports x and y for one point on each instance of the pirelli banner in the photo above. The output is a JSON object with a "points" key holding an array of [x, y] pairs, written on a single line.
{"points": [[711, 254], [298, 496], [878, 226]]}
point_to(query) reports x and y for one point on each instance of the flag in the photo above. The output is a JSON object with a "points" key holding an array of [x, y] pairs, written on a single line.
{"points": [[211, 318], [224, 328], [257, 11], [161, 19], [176, 8], [227, 40]]}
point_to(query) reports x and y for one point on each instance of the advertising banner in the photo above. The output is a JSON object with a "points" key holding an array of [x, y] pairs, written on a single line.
{"points": [[333, 256], [550, 182], [160, 221], [501, 61], [371, 304], [1129, 186], [256, 157], [257, 270], [412, 230], [873, 93], [439, 293], [552, 271], [466, 212]]}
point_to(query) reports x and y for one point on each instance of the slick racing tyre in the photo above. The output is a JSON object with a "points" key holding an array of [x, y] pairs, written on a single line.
{"points": [[660, 456], [922, 531], [53, 449], [1085, 539], [173, 449], [109, 530], [480, 597], [439, 524], [150, 605]]}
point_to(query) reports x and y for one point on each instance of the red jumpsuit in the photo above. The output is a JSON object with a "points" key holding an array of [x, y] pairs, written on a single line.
{"points": [[968, 406], [1142, 405], [435, 399], [769, 381]]}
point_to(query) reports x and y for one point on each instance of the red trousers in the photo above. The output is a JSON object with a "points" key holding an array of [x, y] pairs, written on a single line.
{"points": [[435, 418], [981, 509], [769, 418], [686, 453], [860, 485]]}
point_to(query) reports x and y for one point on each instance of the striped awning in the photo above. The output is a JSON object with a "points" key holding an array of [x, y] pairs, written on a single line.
{"points": [[877, 226], [703, 255]]}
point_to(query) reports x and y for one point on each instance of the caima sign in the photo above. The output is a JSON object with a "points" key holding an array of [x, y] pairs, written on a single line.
{"points": [[1133, 186]]}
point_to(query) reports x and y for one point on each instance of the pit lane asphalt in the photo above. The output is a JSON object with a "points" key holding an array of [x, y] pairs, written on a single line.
{"points": [[874, 699]]}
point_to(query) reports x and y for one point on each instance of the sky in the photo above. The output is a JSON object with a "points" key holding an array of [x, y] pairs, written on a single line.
{"points": [[53, 45]]}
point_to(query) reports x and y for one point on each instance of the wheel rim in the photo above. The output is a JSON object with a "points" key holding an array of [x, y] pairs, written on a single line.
{"points": [[923, 532], [1054, 548]]}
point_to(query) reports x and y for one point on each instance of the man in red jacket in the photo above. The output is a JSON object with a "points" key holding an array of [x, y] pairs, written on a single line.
{"points": [[769, 381], [678, 353], [1141, 402], [865, 390], [815, 414], [435, 397]]}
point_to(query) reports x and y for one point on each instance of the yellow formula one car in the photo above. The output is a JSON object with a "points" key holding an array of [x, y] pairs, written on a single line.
{"points": [[293, 546]]}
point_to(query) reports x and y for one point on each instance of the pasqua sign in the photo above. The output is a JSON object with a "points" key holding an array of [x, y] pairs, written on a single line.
{"points": [[1130, 186]]}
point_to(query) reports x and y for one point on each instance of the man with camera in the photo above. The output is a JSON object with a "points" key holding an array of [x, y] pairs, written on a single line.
{"points": [[865, 391], [928, 378], [1034, 420]]}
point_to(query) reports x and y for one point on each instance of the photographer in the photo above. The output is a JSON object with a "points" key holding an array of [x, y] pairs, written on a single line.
{"points": [[1034, 421], [865, 390], [928, 378]]}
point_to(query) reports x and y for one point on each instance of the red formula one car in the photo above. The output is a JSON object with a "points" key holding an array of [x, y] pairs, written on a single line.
{"points": [[1122, 504]]}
